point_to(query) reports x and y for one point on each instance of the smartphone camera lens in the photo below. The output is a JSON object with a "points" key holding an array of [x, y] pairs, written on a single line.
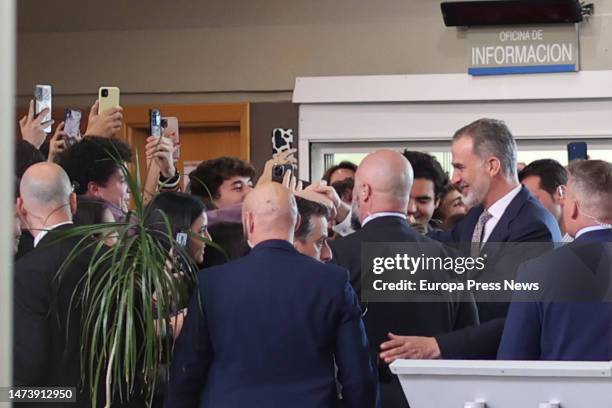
{"points": [[104, 93]]}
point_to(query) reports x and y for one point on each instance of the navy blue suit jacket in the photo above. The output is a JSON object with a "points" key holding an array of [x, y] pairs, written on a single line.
{"points": [[264, 331], [525, 220], [579, 329]]}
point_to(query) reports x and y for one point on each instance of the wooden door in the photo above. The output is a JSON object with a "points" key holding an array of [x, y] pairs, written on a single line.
{"points": [[206, 132]]}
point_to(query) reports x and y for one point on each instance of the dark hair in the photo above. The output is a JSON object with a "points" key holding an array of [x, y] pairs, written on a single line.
{"points": [[308, 209], [94, 159], [210, 174], [448, 187], [89, 211], [180, 209], [551, 173], [17, 182], [342, 165], [492, 137], [425, 166], [25, 156], [345, 186]]}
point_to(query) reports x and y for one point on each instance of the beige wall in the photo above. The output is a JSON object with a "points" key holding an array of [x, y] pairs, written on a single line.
{"points": [[241, 50]]}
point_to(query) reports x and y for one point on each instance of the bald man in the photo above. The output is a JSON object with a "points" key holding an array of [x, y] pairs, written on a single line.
{"points": [[264, 330], [46, 345], [380, 201], [46, 199]]}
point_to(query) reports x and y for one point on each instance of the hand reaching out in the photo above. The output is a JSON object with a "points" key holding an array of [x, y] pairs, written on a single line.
{"points": [[284, 157], [161, 151], [409, 347], [57, 144]]}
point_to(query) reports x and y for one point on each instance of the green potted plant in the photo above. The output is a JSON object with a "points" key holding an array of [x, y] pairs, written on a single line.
{"points": [[127, 297]]}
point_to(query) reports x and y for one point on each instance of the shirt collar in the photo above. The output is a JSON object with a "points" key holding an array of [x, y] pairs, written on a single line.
{"points": [[591, 229], [44, 232], [382, 214], [498, 208]]}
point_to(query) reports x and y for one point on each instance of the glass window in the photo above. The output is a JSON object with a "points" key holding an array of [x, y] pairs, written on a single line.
{"points": [[325, 155]]}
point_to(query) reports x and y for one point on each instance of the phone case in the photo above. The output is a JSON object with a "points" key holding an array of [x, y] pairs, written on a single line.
{"points": [[72, 126], [111, 100], [155, 123], [171, 131], [42, 95]]}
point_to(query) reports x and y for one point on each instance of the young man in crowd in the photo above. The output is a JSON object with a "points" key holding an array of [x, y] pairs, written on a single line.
{"points": [[339, 172], [429, 181], [222, 182], [452, 209], [311, 234], [546, 179], [94, 165]]}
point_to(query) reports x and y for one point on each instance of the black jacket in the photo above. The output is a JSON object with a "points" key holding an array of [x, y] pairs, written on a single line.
{"points": [[407, 318], [47, 330]]}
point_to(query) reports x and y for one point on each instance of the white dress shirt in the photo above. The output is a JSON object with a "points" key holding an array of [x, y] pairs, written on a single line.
{"points": [[592, 228], [44, 232], [497, 210]]}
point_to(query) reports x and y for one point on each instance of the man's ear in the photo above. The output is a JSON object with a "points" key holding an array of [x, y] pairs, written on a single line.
{"points": [[575, 211], [73, 203], [21, 211], [493, 166], [365, 192], [93, 189], [298, 221], [437, 202], [558, 195], [249, 223]]}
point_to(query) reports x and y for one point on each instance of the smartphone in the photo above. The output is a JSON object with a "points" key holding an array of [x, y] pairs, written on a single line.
{"points": [[72, 126], [577, 151], [171, 131], [278, 171], [281, 140], [155, 123], [42, 95], [108, 97]]}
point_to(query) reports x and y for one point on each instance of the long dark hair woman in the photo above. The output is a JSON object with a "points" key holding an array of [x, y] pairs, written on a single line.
{"points": [[182, 217], [186, 217]]}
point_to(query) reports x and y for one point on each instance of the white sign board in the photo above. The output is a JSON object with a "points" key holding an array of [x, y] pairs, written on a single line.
{"points": [[523, 49]]}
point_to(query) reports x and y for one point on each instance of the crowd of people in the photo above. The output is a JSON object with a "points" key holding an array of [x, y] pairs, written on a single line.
{"points": [[275, 318]]}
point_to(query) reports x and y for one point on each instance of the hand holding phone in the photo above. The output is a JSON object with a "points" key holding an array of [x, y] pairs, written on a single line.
{"points": [[279, 171], [42, 95], [104, 124], [72, 127], [108, 98], [32, 126], [171, 131], [577, 151], [155, 126]]}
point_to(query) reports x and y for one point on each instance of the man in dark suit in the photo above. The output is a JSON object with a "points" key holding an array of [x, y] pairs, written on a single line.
{"points": [[573, 318], [380, 201], [46, 325], [484, 162], [264, 330]]}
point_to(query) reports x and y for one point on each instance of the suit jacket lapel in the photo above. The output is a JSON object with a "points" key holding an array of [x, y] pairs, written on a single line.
{"points": [[501, 232]]}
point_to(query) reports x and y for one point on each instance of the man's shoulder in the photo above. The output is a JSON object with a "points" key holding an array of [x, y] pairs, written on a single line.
{"points": [[293, 260], [534, 218]]}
